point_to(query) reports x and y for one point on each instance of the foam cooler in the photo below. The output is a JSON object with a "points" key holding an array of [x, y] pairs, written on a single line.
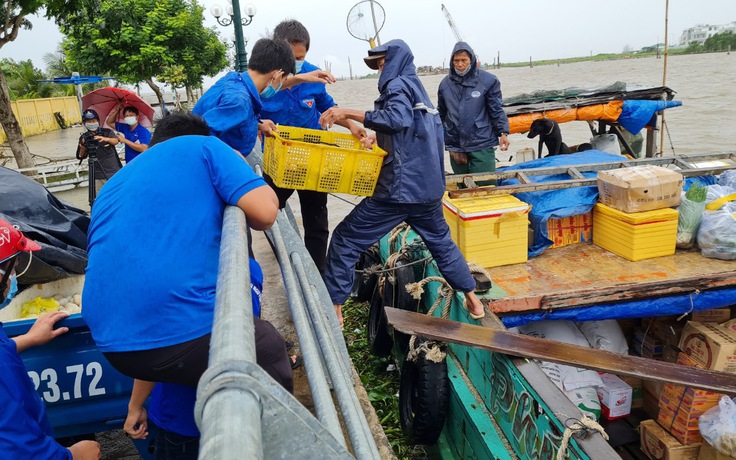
{"points": [[635, 236], [489, 231]]}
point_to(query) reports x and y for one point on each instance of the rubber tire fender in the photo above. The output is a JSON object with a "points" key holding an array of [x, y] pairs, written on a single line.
{"points": [[379, 339], [395, 295], [424, 400], [363, 287]]}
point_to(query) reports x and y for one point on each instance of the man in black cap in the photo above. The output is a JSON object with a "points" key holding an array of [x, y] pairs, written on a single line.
{"points": [[101, 143]]}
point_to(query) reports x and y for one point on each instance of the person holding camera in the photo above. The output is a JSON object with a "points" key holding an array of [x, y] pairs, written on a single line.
{"points": [[98, 144]]}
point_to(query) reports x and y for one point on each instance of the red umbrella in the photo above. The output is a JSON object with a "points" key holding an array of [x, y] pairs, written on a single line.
{"points": [[104, 100]]}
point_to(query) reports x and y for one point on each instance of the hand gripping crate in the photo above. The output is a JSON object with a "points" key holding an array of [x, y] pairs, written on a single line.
{"points": [[323, 161]]}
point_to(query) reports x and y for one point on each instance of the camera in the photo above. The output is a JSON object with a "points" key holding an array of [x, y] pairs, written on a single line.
{"points": [[90, 143]]}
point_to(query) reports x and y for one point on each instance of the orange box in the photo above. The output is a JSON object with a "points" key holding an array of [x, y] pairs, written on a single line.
{"points": [[570, 230]]}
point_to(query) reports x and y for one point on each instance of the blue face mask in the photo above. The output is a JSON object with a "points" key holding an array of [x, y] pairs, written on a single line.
{"points": [[11, 293], [299, 65], [270, 91]]}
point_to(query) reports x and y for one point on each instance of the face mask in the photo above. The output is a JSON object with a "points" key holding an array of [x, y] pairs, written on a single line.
{"points": [[270, 91], [11, 293], [464, 72], [130, 120], [92, 126], [299, 65]]}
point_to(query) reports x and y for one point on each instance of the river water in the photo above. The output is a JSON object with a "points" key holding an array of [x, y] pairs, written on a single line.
{"points": [[703, 82]]}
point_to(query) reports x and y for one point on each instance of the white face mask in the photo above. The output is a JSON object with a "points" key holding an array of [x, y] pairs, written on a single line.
{"points": [[92, 126], [130, 120]]}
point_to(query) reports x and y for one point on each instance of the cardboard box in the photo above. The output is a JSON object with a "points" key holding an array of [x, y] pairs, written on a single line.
{"points": [[680, 407], [710, 345], [570, 230], [650, 404], [615, 396], [714, 315], [657, 444], [640, 188], [637, 391], [708, 452], [668, 330], [730, 326], [670, 353], [645, 345]]}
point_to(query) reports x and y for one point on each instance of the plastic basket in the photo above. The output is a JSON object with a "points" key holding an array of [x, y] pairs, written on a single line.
{"points": [[323, 161]]}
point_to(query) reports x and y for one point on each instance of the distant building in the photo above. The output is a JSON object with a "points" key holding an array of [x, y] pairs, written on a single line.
{"points": [[701, 32]]}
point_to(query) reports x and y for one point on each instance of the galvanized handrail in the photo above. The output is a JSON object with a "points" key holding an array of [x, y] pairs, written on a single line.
{"points": [[241, 411]]}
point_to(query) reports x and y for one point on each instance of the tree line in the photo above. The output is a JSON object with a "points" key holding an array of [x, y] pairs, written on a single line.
{"points": [[133, 41], [723, 41]]}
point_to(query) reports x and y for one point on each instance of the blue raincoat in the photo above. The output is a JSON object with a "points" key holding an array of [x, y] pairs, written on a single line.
{"points": [[231, 108], [411, 183], [471, 107], [299, 106], [408, 127]]}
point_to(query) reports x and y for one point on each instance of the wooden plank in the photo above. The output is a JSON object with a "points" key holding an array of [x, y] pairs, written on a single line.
{"points": [[523, 178], [531, 347], [587, 267], [619, 293], [575, 173]]}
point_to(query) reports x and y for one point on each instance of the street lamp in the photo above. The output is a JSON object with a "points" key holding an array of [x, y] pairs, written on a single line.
{"points": [[233, 11]]}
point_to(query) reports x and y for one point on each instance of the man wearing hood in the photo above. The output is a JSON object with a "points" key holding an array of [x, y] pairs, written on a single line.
{"points": [[411, 183], [471, 108]]}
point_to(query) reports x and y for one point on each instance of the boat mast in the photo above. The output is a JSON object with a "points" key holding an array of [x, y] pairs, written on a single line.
{"points": [[664, 71]]}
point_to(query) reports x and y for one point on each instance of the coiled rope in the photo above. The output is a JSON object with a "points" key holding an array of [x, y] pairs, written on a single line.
{"points": [[578, 428]]}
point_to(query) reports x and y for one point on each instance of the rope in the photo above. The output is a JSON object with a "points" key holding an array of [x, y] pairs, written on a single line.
{"points": [[692, 306], [432, 350], [579, 428]]}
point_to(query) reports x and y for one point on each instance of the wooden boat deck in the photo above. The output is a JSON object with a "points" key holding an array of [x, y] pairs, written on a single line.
{"points": [[583, 274]]}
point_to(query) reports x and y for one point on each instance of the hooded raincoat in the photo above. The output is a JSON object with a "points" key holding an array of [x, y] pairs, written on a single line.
{"points": [[408, 127], [471, 107], [411, 182]]}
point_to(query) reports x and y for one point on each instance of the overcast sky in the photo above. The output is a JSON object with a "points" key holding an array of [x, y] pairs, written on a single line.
{"points": [[517, 29]]}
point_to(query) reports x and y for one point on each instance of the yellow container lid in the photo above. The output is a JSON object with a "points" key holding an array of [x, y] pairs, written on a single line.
{"points": [[483, 207], [637, 218]]}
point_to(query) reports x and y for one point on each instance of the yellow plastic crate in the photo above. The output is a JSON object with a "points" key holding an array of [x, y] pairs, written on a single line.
{"points": [[323, 161], [635, 236], [490, 231]]}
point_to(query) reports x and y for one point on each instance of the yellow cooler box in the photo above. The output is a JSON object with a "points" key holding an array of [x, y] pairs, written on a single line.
{"points": [[635, 236], [489, 231]]}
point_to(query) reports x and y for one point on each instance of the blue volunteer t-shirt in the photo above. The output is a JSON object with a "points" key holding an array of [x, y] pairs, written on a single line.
{"points": [[140, 135], [25, 431], [171, 406], [154, 244]]}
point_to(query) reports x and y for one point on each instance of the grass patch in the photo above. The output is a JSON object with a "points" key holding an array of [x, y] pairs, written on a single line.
{"points": [[381, 385]]}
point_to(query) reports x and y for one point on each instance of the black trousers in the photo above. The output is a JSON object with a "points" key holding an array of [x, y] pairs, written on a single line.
{"points": [[185, 363], [314, 219]]}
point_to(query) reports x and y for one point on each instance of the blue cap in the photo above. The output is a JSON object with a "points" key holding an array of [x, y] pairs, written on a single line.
{"points": [[90, 114]]}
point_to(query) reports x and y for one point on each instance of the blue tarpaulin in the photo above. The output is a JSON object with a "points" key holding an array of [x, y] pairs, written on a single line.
{"points": [[661, 306], [556, 204], [636, 114]]}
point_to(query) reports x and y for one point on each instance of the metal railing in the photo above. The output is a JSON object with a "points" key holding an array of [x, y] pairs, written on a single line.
{"points": [[241, 411]]}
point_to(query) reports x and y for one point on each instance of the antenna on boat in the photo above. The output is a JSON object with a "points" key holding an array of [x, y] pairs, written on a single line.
{"points": [[664, 70], [365, 20]]}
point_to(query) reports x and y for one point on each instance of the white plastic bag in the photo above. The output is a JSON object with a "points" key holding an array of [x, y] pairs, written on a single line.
{"points": [[717, 235], [718, 426], [728, 179], [692, 206], [604, 335]]}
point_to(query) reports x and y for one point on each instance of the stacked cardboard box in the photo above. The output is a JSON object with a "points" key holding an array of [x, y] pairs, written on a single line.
{"points": [[657, 444], [640, 188], [714, 315], [615, 396], [680, 407], [644, 344], [570, 230], [710, 345]]}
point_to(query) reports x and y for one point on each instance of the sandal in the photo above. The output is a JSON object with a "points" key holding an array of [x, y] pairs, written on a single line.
{"points": [[296, 361]]}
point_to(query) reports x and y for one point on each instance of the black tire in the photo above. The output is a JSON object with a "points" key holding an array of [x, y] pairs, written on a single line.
{"points": [[424, 400], [395, 295], [379, 339], [363, 286]]}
